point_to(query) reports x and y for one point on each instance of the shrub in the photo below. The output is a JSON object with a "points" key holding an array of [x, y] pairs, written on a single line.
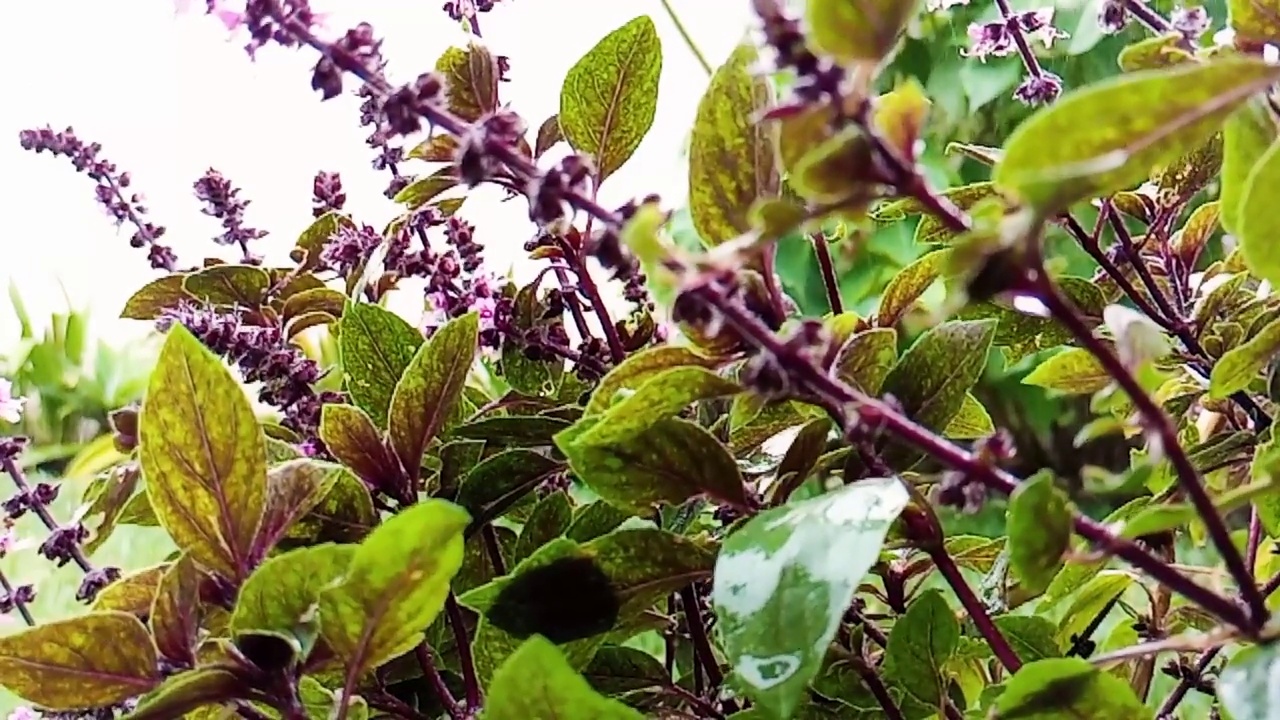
{"points": [[524, 507]]}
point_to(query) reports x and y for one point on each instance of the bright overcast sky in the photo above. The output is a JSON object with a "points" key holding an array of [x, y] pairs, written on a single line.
{"points": [[169, 97]]}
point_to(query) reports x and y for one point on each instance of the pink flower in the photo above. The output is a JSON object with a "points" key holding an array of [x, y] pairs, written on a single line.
{"points": [[224, 10], [10, 406], [23, 713]]}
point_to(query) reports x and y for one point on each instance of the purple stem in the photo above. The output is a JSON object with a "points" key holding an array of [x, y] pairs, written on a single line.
{"points": [[829, 280], [999, 645], [458, 622]]}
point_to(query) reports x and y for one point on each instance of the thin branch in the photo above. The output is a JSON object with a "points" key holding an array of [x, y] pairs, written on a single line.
{"points": [[829, 279], [688, 39], [426, 660], [986, 627], [458, 623], [11, 593]]}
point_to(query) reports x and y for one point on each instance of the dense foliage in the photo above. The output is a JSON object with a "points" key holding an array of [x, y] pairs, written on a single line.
{"points": [[730, 502]]}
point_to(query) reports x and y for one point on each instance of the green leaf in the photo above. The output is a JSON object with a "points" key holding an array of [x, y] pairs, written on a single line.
{"points": [[621, 381], [346, 514], [1074, 371], [512, 430], [549, 519], [374, 346], [933, 376], [971, 422], [1154, 52], [175, 612], [784, 579], [537, 682], [1059, 156], [1090, 600], [659, 398], [610, 96], [866, 358], [731, 157], [921, 643], [1060, 688], [909, 284], [243, 286], [187, 691], [471, 81], [395, 586], [1039, 527], [279, 599], [312, 241], [620, 669], [548, 135], [851, 30], [1243, 364], [85, 662], [668, 462], [1255, 22], [155, 297], [1246, 686], [500, 480], [1030, 636], [430, 389], [203, 454], [349, 434], [1257, 224], [425, 189], [133, 593], [294, 488]]}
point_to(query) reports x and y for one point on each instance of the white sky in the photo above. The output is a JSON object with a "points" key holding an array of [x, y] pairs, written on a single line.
{"points": [[169, 97]]}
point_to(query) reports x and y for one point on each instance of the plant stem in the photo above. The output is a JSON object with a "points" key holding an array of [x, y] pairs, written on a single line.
{"points": [[426, 660], [698, 633], [1134, 255], [1156, 420], [829, 279], [23, 610], [42, 512], [458, 622], [986, 627], [688, 39], [872, 680], [490, 537], [854, 409]]}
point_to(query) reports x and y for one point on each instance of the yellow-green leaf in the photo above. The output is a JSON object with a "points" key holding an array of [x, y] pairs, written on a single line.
{"points": [[1255, 22], [203, 455], [471, 80], [971, 422], [852, 30], [85, 662], [1074, 371], [537, 682], [1258, 223], [731, 156], [908, 285], [610, 96], [396, 585], [1061, 155], [636, 369], [1242, 364]]}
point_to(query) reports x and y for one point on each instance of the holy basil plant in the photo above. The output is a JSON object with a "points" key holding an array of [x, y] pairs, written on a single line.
{"points": [[526, 505]]}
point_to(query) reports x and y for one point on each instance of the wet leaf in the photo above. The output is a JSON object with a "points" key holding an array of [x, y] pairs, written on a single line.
{"points": [[784, 579], [155, 297], [395, 586], [236, 285], [731, 156], [1243, 364], [375, 346], [1067, 688], [175, 614], [851, 30], [667, 462], [1074, 371], [1039, 527], [471, 81], [203, 454], [85, 662], [921, 643], [537, 682], [1059, 157], [430, 389], [610, 96]]}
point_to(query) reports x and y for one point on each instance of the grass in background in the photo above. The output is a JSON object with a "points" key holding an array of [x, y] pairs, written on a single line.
{"points": [[130, 548]]}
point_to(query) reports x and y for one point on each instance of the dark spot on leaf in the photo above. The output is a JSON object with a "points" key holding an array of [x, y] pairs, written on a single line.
{"points": [[567, 600]]}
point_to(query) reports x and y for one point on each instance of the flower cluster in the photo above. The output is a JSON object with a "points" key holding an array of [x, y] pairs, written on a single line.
{"points": [[327, 193], [111, 189], [1000, 38], [264, 355], [221, 201], [458, 285]]}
